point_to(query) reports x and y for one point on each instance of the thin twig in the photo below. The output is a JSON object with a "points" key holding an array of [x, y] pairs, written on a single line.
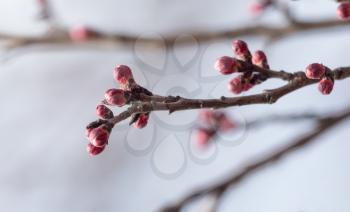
{"points": [[218, 189], [60, 35]]}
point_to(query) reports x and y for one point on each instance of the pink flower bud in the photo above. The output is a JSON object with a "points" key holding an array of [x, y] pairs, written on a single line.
{"points": [[206, 116], [325, 86], [226, 65], [238, 84], [104, 112], [260, 59], [98, 137], [122, 74], [79, 33], [203, 136], [241, 50], [343, 11], [94, 150], [235, 85], [115, 96], [142, 121], [315, 71], [257, 8], [225, 124]]}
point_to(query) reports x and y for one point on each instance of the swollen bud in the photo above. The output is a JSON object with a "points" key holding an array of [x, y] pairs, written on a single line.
{"points": [[238, 84], [225, 124], [104, 112], [260, 59], [122, 74], [325, 86], [343, 11], [98, 137], [315, 71], [142, 121], [94, 150], [226, 65], [241, 50], [203, 136], [115, 96]]}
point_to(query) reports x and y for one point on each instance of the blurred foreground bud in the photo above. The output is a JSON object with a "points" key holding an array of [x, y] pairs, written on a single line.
{"points": [[203, 136]]}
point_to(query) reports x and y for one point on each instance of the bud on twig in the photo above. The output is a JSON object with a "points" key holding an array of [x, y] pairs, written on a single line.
{"points": [[226, 65], [104, 112], [116, 97]]}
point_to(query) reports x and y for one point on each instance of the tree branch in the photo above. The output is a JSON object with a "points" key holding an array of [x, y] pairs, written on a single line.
{"points": [[60, 35], [297, 81], [217, 190]]}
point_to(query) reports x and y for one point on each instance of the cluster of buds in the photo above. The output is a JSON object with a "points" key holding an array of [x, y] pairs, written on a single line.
{"points": [[343, 10], [259, 6], [211, 123], [98, 131], [320, 72], [81, 33], [244, 63]]}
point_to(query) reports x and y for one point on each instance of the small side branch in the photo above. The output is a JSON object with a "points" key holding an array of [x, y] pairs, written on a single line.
{"points": [[217, 190]]}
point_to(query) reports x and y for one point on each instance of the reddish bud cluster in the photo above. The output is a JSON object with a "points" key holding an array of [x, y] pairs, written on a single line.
{"points": [[319, 72], [98, 131], [343, 11], [243, 64], [212, 121]]}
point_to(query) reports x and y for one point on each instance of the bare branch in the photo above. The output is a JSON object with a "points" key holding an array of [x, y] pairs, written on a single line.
{"points": [[297, 80], [60, 35], [218, 189]]}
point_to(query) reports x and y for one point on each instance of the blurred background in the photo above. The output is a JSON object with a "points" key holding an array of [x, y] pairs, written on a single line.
{"points": [[49, 93]]}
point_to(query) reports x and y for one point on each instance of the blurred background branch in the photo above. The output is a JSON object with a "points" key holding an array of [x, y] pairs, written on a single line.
{"points": [[82, 35], [217, 190]]}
